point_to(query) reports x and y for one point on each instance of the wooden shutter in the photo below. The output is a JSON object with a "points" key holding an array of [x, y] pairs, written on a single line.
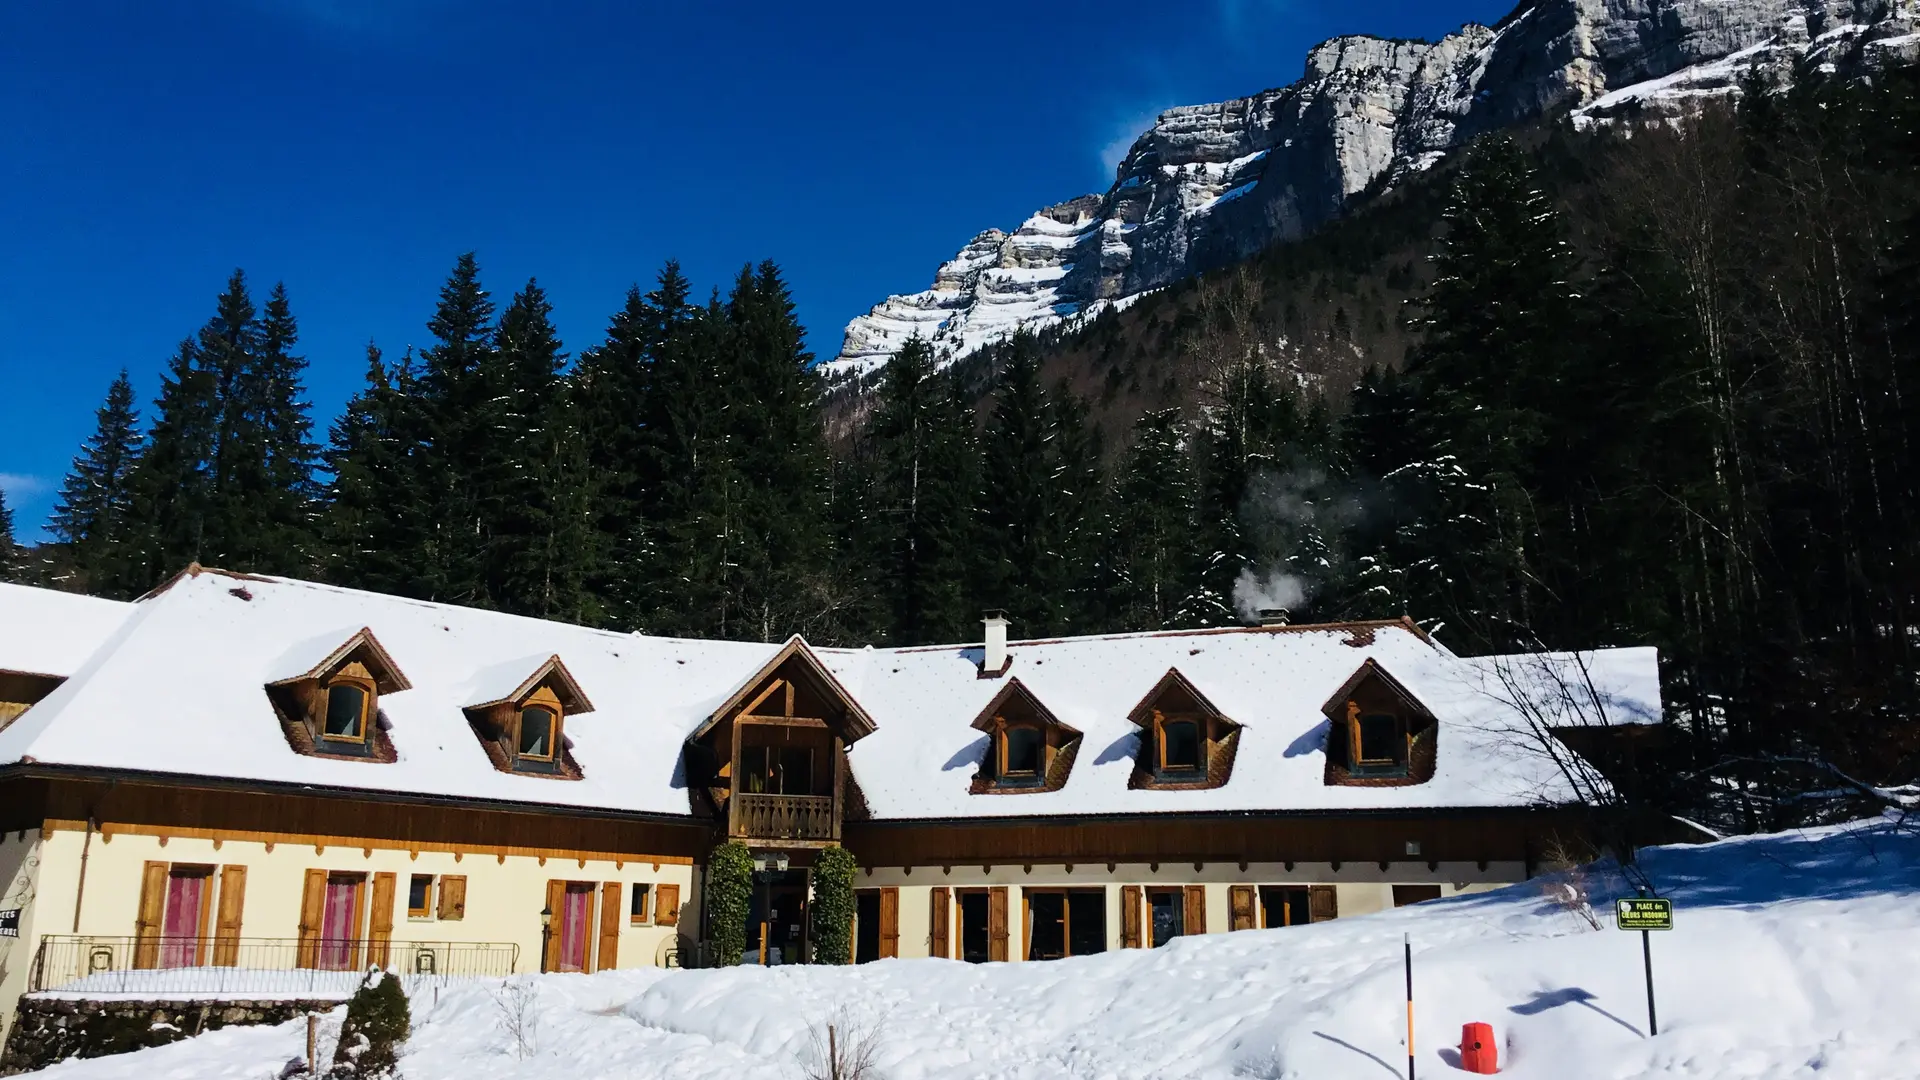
{"points": [[557, 905], [380, 924], [889, 922], [233, 900], [1322, 903], [1196, 920], [313, 897], [453, 897], [610, 914], [997, 923], [666, 905], [1130, 917], [150, 919], [940, 911], [1240, 904]]}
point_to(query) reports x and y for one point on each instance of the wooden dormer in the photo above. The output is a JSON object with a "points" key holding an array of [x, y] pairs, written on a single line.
{"points": [[1028, 748], [522, 724], [771, 762], [332, 708], [1378, 733], [1185, 742]]}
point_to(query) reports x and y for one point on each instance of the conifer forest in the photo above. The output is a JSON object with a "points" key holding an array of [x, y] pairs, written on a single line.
{"points": [[1652, 384]]}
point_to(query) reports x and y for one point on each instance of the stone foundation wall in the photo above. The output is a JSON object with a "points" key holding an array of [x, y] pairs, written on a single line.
{"points": [[47, 1030]]}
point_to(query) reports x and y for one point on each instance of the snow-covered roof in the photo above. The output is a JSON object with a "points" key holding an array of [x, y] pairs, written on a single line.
{"points": [[52, 633], [219, 644]]}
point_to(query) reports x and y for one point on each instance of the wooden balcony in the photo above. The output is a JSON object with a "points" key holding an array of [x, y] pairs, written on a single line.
{"points": [[801, 819]]}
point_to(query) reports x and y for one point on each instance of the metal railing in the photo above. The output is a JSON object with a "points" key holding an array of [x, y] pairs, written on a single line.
{"points": [[243, 966], [784, 817]]}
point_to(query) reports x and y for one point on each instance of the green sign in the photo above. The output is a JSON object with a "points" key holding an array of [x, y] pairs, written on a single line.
{"points": [[1643, 914]]}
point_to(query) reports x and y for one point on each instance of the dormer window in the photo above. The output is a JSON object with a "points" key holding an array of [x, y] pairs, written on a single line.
{"points": [[328, 697], [1028, 748], [521, 717], [1379, 734], [1185, 742]]}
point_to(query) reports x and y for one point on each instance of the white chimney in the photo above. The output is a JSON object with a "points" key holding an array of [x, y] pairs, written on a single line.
{"points": [[993, 658]]}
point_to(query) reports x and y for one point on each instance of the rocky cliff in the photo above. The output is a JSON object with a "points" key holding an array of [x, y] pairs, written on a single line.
{"points": [[1209, 184]]}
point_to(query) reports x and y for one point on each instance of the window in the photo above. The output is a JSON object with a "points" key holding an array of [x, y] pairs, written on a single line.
{"points": [[1414, 894], [639, 910], [1179, 745], [1167, 911], [347, 711], [1378, 739], [420, 896], [536, 735], [768, 770], [1022, 749], [1065, 922], [1282, 905]]}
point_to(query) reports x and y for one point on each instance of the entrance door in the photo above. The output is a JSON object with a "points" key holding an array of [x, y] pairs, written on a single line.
{"points": [[866, 922], [340, 922], [575, 919], [976, 934], [787, 919], [185, 914]]}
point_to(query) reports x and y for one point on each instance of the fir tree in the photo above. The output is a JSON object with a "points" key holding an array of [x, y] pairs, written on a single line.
{"points": [[286, 436], [171, 484], [1019, 569], [371, 529], [92, 517], [13, 557], [458, 419]]}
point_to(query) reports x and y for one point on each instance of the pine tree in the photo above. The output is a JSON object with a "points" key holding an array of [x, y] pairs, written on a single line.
{"points": [[1074, 534], [1151, 527], [93, 515], [694, 526], [227, 350], [371, 527]]}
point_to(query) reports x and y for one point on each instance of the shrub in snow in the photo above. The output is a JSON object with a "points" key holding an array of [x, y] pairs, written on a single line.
{"points": [[841, 1048], [378, 1020], [833, 906], [729, 891], [517, 1003]]}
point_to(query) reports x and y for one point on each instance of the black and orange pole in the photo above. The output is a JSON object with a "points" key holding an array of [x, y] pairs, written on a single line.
{"points": [[1406, 940]]}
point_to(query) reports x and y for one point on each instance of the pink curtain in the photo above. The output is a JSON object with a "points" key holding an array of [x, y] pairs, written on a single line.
{"points": [[574, 929], [337, 924], [180, 936]]}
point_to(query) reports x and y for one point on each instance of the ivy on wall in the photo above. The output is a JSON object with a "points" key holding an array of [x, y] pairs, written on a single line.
{"points": [[833, 906]]}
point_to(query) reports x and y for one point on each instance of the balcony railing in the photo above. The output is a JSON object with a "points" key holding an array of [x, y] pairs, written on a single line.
{"points": [[252, 967], [784, 817]]}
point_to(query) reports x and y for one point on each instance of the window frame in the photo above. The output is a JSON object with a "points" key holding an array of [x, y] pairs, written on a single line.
{"points": [[425, 912], [641, 894], [1201, 744], [541, 696], [369, 706], [1179, 895], [519, 730], [1401, 758]]}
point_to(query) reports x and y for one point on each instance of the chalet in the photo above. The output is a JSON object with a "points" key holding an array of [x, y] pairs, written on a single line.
{"points": [[241, 772]]}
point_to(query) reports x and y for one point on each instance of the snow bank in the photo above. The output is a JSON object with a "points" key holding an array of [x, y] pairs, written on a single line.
{"points": [[1791, 958]]}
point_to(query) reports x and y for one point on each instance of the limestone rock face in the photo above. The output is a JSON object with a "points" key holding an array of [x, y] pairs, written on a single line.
{"points": [[1210, 184]]}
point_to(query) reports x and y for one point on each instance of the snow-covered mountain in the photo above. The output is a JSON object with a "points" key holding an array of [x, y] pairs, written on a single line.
{"points": [[1209, 184]]}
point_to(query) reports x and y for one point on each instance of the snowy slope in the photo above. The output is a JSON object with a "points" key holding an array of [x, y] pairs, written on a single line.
{"points": [[1210, 184], [1792, 959]]}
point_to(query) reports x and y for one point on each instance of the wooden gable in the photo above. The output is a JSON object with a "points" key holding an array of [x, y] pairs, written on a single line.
{"points": [[1175, 698], [1015, 705], [1372, 691]]}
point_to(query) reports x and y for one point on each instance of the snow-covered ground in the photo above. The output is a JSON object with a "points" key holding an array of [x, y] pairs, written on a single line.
{"points": [[1793, 957]]}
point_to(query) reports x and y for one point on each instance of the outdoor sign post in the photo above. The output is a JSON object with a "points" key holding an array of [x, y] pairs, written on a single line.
{"points": [[1645, 914], [1406, 941]]}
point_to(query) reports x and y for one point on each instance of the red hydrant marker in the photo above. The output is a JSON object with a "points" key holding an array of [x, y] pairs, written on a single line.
{"points": [[1478, 1052]]}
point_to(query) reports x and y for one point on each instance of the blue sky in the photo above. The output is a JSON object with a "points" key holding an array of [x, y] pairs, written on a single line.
{"points": [[352, 148]]}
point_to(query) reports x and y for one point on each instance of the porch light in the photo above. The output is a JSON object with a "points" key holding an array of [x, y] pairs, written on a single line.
{"points": [[546, 917]]}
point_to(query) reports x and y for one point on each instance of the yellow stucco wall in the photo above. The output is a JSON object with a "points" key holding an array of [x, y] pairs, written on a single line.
{"points": [[503, 896]]}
